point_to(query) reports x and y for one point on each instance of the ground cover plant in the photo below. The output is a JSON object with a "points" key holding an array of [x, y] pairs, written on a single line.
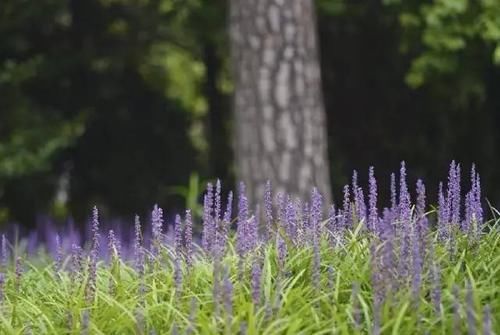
{"points": [[290, 266]]}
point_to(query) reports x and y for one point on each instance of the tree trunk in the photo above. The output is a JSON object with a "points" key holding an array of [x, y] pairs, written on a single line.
{"points": [[280, 123]]}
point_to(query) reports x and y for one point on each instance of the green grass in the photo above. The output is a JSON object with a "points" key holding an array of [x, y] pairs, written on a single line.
{"points": [[47, 303]]}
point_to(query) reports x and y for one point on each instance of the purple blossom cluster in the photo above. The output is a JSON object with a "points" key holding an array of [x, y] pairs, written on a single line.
{"points": [[398, 235]]}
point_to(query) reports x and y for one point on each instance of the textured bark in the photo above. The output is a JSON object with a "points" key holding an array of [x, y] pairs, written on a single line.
{"points": [[280, 120]]}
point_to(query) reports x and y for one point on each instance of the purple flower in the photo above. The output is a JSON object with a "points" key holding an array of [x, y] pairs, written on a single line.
{"points": [[177, 275], [225, 225], [316, 201], [281, 202], [251, 238], [59, 254], [188, 237], [453, 196], [192, 316], [76, 260], [229, 207], [393, 192], [92, 264], [243, 328], [299, 229], [5, 252], [175, 329], [218, 204], [282, 252], [18, 273], [208, 221], [268, 206], [216, 221], [436, 288], [331, 278], [138, 248], [85, 322], [417, 263], [157, 229], [404, 223], [377, 278], [291, 220], [228, 293], [316, 263], [178, 235], [91, 282], [356, 309], [487, 326], [256, 282], [114, 246], [478, 210], [471, 319], [242, 222], [469, 216], [316, 211], [332, 224], [95, 230], [420, 209], [378, 287], [360, 205], [347, 219], [404, 198], [372, 200], [456, 197], [388, 247], [217, 290], [306, 221], [473, 209], [2, 283]]}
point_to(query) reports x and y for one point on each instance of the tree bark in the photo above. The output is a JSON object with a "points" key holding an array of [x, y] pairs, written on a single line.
{"points": [[280, 126]]}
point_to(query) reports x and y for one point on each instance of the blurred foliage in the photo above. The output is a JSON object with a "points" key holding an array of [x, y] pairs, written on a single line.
{"points": [[192, 194], [105, 89], [129, 96], [446, 35]]}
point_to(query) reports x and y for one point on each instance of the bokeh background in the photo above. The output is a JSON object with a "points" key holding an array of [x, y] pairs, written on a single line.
{"points": [[127, 103]]}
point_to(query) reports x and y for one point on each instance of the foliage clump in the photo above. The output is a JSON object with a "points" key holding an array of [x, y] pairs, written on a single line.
{"points": [[286, 269]]}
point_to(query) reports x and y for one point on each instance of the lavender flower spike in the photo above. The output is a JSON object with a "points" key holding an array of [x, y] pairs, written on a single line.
{"points": [[228, 293], [2, 283], [471, 319], [138, 252], [420, 209], [226, 223], [256, 282], [393, 193], [95, 231], [487, 326], [208, 221], [242, 223], [218, 204], [5, 252], [157, 227], [268, 206], [404, 197], [372, 200], [59, 254], [113, 246], [346, 210], [188, 237], [178, 235]]}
